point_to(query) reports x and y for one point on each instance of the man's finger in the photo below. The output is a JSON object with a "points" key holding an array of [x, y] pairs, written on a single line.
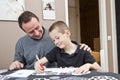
{"points": [[82, 45]]}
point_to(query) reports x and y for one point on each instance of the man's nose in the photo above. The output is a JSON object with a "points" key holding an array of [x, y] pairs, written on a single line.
{"points": [[36, 32]]}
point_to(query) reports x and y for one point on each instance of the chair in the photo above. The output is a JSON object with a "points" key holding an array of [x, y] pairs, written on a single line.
{"points": [[96, 55]]}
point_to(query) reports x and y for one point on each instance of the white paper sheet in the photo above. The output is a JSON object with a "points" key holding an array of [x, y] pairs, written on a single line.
{"points": [[61, 71], [57, 71], [22, 73], [3, 70]]}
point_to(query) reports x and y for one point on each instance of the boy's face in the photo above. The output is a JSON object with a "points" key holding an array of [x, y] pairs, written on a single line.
{"points": [[60, 39]]}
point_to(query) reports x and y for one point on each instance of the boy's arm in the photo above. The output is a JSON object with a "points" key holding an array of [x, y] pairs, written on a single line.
{"points": [[37, 66], [95, 66], [86, 67], [43, 60]]}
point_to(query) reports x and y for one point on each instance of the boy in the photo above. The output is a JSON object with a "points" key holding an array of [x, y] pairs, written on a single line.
{"points": [[67, 53]]}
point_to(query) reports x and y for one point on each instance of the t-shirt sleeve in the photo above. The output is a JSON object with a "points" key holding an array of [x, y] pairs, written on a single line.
{"points": [[51, 56], [19, 52], [88, 57]]}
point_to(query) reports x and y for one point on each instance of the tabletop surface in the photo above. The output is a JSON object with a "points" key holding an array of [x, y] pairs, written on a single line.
{"points": [[92, 75]]}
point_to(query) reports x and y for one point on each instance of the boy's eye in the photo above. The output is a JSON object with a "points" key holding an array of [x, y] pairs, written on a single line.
{"points": [[53, 40]]}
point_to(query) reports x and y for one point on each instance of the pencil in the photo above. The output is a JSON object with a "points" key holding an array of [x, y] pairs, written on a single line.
{"points": [[41, 65]]}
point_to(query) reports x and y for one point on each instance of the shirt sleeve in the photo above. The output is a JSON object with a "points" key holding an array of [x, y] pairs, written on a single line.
{"points": [[19, 52], [51, 56], [89, 58]]}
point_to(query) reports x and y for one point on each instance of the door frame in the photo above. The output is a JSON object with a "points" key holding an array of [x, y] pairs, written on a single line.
{"points": [[106, 37]]}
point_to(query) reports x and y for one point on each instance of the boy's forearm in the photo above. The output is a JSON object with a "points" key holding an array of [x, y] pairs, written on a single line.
{"points": [[43, 60], [95, 66]]}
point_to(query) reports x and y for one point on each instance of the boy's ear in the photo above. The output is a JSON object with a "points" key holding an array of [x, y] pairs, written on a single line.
{"points": [[67, 32]]}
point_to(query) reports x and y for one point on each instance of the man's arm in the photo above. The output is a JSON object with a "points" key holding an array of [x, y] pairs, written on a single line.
{"points": [[18, 59], [16, 65]]}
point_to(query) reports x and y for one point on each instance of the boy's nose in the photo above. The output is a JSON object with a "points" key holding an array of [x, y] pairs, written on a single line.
{"points": [[56, 42]]}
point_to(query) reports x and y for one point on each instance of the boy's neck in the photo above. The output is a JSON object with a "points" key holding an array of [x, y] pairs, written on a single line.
{"points": [[70, 48]]}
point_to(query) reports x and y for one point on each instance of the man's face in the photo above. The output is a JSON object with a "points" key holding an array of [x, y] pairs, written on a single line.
{"points": [[33, 28]]}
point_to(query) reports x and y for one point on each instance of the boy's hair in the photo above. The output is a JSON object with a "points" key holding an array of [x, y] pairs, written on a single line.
{"points": [[60, 25], [26, 17]]}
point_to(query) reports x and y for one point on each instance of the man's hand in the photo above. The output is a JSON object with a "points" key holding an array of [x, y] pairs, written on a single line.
{"points": [[16, 65], [85, 47], [83, 69]]}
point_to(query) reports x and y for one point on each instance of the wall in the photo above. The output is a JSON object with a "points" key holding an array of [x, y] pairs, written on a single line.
{"points": [[10, 32], [74, 20]]}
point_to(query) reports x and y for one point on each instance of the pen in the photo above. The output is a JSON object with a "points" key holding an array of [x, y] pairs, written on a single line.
{"points": [[41, 65]]}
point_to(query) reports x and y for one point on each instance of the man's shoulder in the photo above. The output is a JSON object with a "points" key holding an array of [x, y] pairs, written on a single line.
{"points": [[23, 39]]}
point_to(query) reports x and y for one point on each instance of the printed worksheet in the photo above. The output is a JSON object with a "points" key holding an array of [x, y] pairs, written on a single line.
{"points": [[57, 71], [3, 70], [60, 71], [22, 73]]}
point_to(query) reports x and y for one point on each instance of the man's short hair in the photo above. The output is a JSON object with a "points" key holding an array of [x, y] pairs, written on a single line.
{"points": [[26, 17]]}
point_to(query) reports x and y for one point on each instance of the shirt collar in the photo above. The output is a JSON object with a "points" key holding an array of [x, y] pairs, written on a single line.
{"points": [[76, 51]]}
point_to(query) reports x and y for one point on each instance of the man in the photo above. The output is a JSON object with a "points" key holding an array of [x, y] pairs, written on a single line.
{"points": [[36, 41]]}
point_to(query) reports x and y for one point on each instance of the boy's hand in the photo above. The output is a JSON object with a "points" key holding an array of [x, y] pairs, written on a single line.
{"points": [[42, 67], [82, 69], [39, 68], [85, 47]]}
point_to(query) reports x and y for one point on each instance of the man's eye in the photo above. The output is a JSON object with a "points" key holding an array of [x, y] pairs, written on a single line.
{"points": [[31, 32], [37, 28], [57, 37]]}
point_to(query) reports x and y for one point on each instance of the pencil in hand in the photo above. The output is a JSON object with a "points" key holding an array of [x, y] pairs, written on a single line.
{"points": [[41, 65]]}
